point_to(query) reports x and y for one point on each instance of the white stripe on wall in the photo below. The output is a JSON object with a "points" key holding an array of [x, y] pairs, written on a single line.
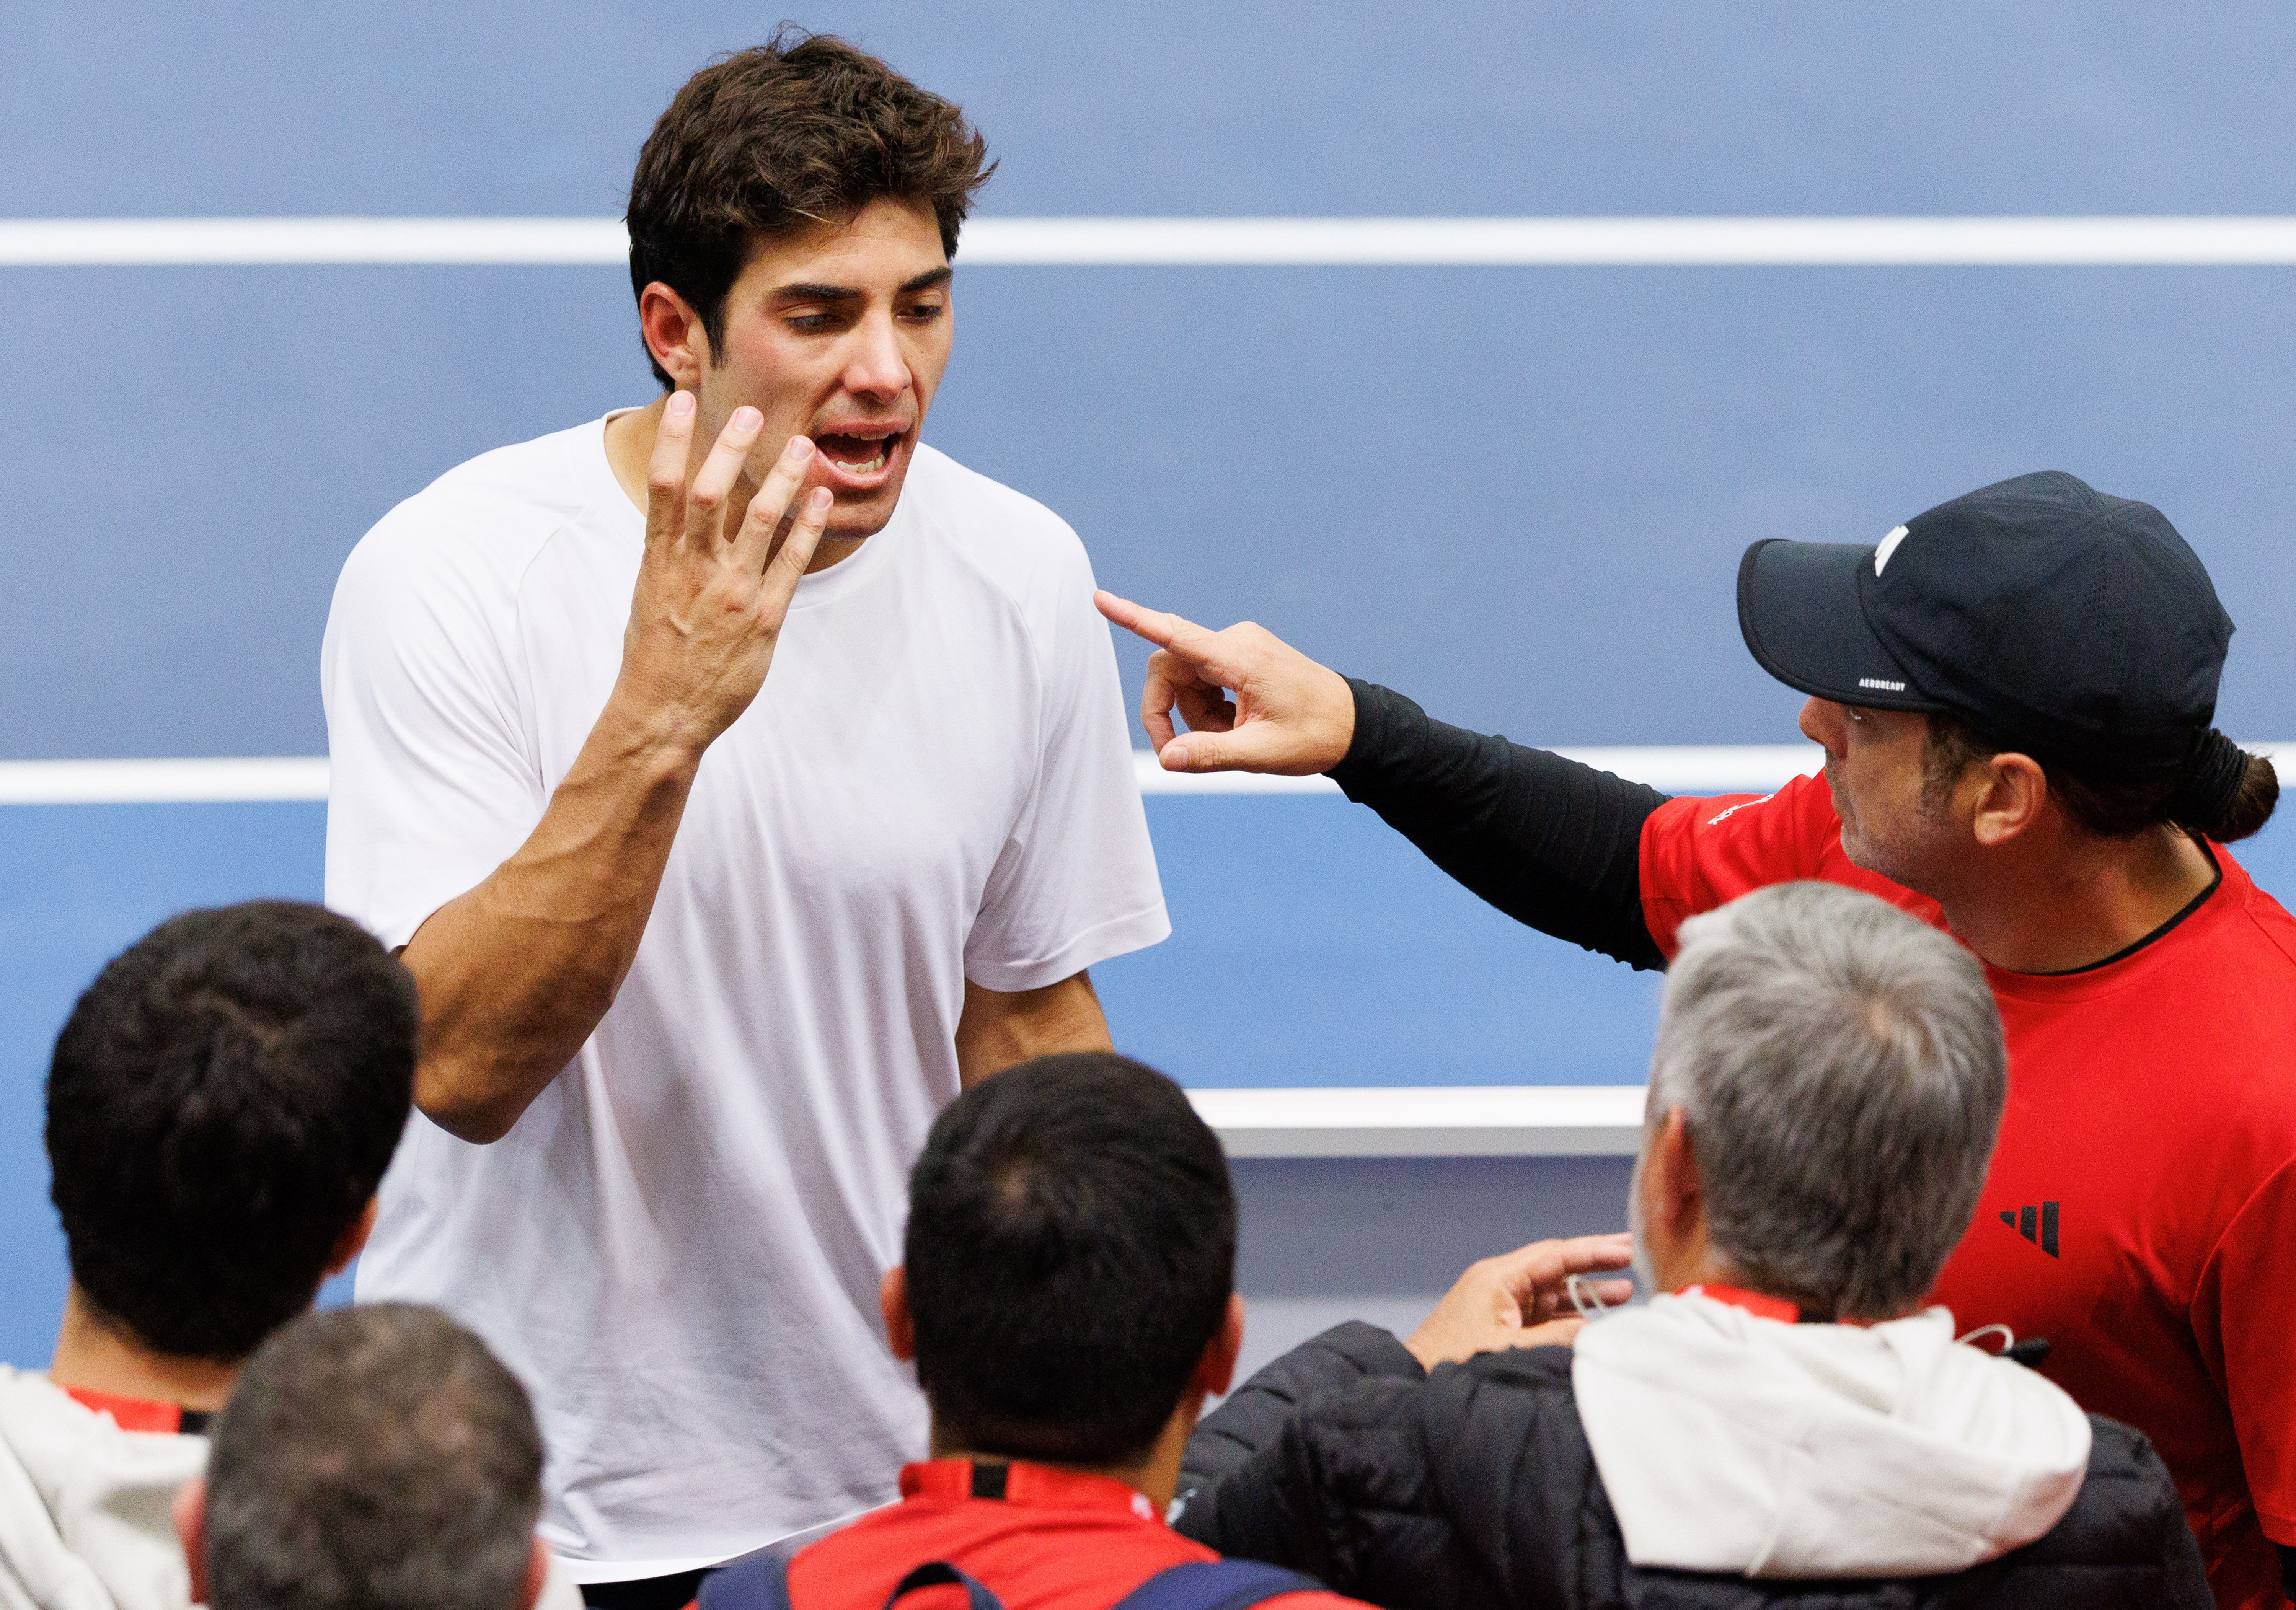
{"points": [[1670, 768], [1176, 242], [1612, 242], [1722, 768], [162, 782], [1427, 1121], [147, 242]]}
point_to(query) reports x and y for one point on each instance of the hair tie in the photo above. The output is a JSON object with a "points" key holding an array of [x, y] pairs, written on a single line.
{"points": [[2212, 780]]}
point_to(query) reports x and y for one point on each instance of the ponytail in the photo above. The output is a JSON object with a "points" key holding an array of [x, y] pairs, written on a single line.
{"points": [[2245, 789]]}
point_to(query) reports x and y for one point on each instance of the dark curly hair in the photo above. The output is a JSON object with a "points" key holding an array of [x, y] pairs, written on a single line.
{"points": [[801, 130], [222, 1103]]}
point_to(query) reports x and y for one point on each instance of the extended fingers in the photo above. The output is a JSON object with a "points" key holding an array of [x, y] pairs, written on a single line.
{"points": [[771, 504], [666, 469], [787, 567], [715, 483]]}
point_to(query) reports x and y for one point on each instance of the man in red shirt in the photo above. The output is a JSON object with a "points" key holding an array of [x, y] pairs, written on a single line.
{"points": [[1068, 1296], [2015, 691]]}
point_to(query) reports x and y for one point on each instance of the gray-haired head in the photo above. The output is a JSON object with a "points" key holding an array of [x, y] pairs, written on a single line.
{"points": [[373, 1459], [1841, 1071]]}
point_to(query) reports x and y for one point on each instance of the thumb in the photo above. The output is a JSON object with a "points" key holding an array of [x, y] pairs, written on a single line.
{"points": [[1238, 751]]}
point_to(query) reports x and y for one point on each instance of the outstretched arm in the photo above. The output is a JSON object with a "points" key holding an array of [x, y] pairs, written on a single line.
{"points": [[1552, 843], [515, 973]]}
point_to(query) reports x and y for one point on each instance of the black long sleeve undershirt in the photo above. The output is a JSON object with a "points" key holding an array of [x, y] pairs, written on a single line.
{"points": [[1548, 841]]}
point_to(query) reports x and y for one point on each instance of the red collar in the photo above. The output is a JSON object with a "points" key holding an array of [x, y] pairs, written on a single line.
{"points": [[142, 1414], [1753, 1301], [1035, 1486]]}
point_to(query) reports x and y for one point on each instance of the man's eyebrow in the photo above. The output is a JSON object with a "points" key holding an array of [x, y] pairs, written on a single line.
{"points": [[815, 293], [806, 291]]}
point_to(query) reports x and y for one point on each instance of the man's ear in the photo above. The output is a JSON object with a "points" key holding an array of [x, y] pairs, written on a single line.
{"points": [[673, 334], [900, 1324], [352, 1241], [1216, 1367], [2012, 791], [537, 1575], [1677, 1195], [190, 1510]]}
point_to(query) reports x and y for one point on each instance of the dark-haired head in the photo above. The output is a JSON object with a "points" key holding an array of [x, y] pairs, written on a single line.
{"points": [[221, 1104], [800, 131], [1070, 1257]]}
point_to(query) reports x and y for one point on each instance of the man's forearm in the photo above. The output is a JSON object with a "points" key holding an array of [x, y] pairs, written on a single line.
{"points": [[1548, 841], [515, 974]]}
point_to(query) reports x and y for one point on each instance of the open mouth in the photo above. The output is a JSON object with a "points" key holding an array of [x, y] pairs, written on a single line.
{"points": [[857, 454]]}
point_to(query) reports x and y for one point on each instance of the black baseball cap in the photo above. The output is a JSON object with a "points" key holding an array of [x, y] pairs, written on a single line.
{"points": [[2049, 616]]}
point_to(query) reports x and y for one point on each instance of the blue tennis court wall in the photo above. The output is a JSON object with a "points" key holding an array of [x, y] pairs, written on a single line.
{"points": [[1517, 493]]}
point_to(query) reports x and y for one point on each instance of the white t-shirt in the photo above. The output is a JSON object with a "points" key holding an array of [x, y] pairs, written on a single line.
{"points": [[678, 1245]]}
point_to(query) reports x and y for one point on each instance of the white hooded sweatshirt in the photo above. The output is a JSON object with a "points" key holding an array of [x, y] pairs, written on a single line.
{"points": [[1729, 1443], [86, 1509], [84, 1506]]}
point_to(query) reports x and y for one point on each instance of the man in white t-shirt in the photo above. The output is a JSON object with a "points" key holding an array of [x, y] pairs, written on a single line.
{"points": [[702, 952]]}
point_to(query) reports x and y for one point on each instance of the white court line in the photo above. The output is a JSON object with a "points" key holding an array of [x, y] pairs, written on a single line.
{"points": [[1427, 1121], [1189, 241], [1670, 768]]}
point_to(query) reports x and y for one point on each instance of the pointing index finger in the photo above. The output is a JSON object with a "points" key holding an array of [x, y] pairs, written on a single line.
{"points": [[1154, 624], [1182, 636]]}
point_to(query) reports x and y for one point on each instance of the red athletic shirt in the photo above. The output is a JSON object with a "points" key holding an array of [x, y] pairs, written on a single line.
{"points": [[2141, 1211], [1057, 1540]]}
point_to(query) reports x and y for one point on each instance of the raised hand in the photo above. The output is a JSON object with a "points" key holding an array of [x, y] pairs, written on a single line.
{"points": [[709, 605], [1289, 715], [1517, 1299]]}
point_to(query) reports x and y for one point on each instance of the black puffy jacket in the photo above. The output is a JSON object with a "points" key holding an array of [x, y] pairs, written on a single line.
{"points": [[1475, 1486]]}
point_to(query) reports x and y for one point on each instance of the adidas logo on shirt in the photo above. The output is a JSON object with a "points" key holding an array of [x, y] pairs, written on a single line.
{"points": [[2026, 1220]]}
